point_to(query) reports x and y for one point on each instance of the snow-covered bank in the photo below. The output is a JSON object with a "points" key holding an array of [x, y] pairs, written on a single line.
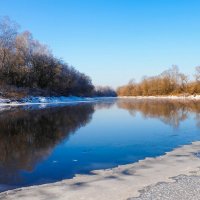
{"points": [[49, 100], [170, 97], [55, 99], [119, 183], [73, 99]]}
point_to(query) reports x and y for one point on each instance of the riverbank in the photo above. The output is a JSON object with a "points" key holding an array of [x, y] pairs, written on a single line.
{"points": [[122, 182], [48, 100], [63, 99], [170, 97]]}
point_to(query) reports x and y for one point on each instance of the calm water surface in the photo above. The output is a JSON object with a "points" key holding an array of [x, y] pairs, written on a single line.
{"points": [[41, 145]]}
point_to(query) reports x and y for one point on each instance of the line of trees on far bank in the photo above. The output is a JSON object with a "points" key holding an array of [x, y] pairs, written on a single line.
{"points": [[104, 91], [169, 82], [28, 64]]}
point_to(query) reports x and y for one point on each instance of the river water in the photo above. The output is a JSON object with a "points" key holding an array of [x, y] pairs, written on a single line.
{"points": [[47, 143]]}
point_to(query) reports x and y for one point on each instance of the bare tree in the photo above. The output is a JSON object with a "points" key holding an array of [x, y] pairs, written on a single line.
{"points": [[8, 32], [169, 82], [25, 62]]}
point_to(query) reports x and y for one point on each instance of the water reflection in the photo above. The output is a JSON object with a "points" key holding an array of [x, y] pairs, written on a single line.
{"points": [[28, 136], [171, 112], [47, 143]]}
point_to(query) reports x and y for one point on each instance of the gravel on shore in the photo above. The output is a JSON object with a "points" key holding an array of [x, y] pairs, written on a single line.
{"points": [[184, 188]]}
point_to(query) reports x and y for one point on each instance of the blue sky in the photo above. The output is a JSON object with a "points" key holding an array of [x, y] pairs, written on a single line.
{"points": [[114, 41]]}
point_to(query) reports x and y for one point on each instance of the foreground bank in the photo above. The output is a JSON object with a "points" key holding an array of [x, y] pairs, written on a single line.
{"points": [[122, 182]]}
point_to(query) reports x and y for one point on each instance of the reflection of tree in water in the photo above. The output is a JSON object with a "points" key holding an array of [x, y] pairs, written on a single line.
{"points": [[27, 136], [171, 112], [105, 104], [198, 119]]}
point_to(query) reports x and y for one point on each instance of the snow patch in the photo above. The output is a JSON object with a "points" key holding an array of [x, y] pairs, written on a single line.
{"points": [[44, 101], [60, 99]]}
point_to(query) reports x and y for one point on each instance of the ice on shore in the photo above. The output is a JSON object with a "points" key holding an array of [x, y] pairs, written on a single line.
{"points": [[122, 182], [45, 100], [53, 99], [73, 99], [2, 100], [49, 100]]}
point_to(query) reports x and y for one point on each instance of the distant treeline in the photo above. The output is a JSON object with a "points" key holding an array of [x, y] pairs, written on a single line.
{"points": [[26, 63], [106, 91], [170, 82]]}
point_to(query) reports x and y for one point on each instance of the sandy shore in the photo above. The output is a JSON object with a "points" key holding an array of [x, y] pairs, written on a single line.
{"points": [[123, 182]]}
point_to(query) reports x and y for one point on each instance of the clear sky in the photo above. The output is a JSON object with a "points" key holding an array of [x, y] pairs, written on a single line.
{"points": [[114, 40]]}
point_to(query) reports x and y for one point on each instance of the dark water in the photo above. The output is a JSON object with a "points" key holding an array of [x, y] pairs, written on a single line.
{"points": [[40, 145]]}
